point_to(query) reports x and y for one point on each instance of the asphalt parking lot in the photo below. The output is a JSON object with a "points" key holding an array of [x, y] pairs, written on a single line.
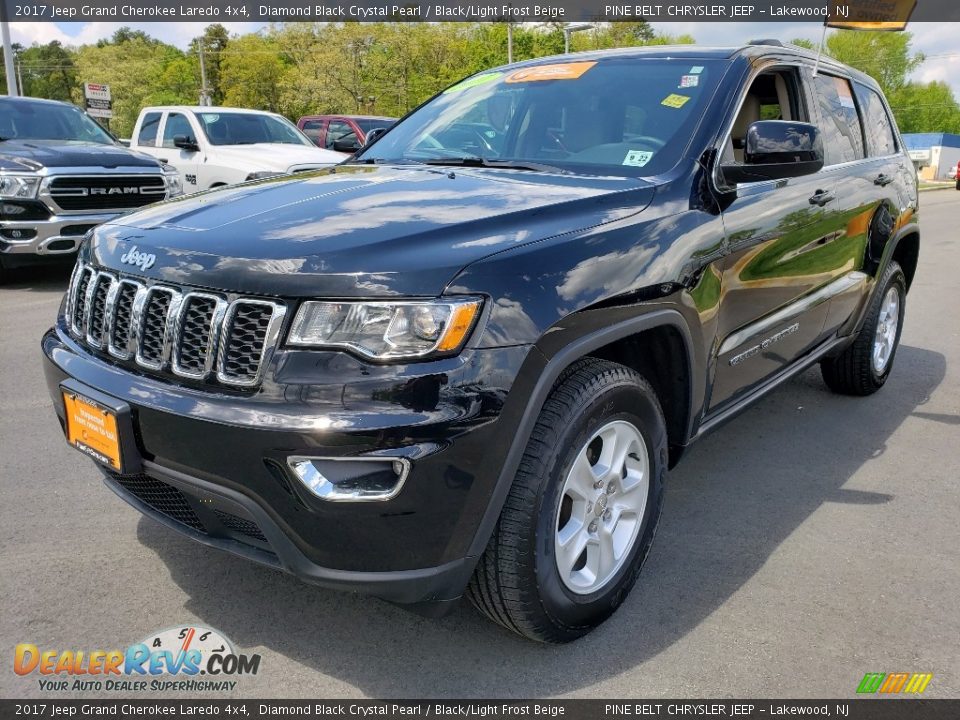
{"points": [[812, 540]]}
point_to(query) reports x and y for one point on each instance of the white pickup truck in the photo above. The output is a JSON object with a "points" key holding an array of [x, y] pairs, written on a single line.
{"points": [[215, 146]]}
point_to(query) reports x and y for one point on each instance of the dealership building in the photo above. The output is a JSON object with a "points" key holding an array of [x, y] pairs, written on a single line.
{"points": [[934, 155]]}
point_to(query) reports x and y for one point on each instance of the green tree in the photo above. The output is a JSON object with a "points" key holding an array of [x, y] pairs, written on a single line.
{"points": [[48, 71], [251, 73], [214, 41], [926, 107], [884, 56], [140, 71]]}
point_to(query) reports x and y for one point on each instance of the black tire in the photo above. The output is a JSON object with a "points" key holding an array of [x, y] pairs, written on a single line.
{"points": [[852, 372], [516, 582]]}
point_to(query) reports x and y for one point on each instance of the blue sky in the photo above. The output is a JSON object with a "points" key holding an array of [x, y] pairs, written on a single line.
{"points": [[939, 41]]}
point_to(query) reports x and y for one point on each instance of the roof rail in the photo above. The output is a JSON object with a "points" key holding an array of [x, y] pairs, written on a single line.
{"points": [[767, 41]]}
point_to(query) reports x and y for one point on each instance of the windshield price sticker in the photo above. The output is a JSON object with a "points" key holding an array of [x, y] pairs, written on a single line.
{"points": [[688, 81], [560, 71]]}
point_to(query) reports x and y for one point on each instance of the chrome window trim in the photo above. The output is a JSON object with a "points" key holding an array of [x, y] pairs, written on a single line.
{"points": [[169, 320], [91, 293], [216, 331], [270, 340], [127, 352]]}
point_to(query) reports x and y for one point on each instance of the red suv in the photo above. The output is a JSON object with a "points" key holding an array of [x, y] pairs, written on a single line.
{"points": [[343, 133], [956, 174]]}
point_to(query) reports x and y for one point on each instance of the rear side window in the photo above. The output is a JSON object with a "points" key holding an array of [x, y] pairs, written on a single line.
{"points": [[148, 130], [842, 136], [876, 123]]}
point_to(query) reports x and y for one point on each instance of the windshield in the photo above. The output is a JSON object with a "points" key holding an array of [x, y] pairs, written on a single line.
{"points": [[26, 120], [616, 116], [226, 128], [368, 124]]}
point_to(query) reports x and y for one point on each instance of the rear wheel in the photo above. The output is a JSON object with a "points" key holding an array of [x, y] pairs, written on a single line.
{"points": [[583, 508], [864, 366]]}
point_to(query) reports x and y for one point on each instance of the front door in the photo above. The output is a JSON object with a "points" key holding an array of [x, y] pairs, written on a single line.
{"points": [[783, 238]]}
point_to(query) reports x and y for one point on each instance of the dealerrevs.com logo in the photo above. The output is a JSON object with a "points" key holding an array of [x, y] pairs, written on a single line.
{"points": [[188, 658]]}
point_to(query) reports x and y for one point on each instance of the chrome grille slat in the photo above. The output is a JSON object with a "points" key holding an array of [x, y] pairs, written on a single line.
{"points": [[250, 328], [121, 341], [97, 296], [163, 329], [154, 332], [197, 334]]}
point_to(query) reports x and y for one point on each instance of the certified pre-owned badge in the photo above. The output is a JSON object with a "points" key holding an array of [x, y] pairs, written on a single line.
{"points": [[142, 260]]}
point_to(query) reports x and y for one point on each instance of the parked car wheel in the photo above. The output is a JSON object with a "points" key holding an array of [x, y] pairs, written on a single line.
{"points": [[583, 509], [864, 366]]}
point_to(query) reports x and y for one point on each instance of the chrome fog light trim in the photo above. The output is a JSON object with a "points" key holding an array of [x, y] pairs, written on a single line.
{"points": [[349, 487]]}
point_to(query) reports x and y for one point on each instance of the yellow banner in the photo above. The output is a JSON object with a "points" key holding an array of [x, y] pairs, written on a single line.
{"points": [[871, 14]]}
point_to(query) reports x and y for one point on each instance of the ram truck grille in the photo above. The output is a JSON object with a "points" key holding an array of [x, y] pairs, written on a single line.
{"points": [[173, 330], [76, 193]]}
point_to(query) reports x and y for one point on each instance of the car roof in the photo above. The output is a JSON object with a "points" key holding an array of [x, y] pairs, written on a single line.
{"points": [[206, 108], [758, 49], [349, 117], [42, 101]]}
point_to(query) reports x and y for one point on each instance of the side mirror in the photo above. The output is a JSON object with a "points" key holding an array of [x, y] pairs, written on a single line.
{"points": [[373, 135], [184, 142], [346, 144], [777, 149]]}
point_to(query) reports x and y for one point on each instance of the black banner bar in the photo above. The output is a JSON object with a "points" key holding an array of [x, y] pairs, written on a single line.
{"points": [[209, 11], [843, 709]]}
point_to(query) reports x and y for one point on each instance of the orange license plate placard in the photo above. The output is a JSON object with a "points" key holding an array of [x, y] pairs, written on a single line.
{"points": [[92, 429]]}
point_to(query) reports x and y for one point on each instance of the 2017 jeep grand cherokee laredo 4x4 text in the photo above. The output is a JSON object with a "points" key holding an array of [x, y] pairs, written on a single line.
{"points": [[446, 369]]}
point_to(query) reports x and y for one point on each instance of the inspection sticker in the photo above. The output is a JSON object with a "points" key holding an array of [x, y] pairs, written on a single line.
{"points": [[559, 71], [696, 69], [637, 158], [688, 81], [675, 101]]}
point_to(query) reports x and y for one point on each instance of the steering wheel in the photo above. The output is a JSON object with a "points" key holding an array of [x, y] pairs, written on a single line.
{"points": [[656, 143]]}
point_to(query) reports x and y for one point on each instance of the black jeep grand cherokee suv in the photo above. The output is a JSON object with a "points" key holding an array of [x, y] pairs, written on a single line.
{"points": [[463, 361]]}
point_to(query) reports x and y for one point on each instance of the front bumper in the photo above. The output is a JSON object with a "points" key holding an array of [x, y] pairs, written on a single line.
{"points": [[60, 235], [214, 463]]}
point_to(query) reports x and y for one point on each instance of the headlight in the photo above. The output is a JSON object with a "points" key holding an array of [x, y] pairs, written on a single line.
{"points": [[387, 330], [260, 174], [19, 186], [171, 176]]}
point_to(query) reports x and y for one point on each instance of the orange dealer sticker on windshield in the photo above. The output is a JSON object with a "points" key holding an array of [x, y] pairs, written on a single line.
{"points": [[560, 71]]}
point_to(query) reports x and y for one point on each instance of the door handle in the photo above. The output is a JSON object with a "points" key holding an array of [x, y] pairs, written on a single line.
{"points": [[821, 197], [882, 180]]}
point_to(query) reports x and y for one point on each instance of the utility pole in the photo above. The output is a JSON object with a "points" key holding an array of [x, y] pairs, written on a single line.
{"points": [[8, 54], [19, 76], [509, 42], [204, 92]]}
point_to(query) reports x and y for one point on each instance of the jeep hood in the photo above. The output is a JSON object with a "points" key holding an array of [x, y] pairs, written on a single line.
{"points": [[359, 231], [34, 155]]}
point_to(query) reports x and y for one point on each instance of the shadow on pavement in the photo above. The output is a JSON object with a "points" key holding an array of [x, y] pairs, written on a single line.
{"points": [[41, 278], [730, 503]]}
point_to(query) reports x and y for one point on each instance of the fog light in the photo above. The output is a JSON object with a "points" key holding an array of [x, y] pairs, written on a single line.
{"points": [[351, 479]]}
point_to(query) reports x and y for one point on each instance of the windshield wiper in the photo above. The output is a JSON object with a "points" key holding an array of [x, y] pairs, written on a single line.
{"points": [[476, 161], [381, 161]]}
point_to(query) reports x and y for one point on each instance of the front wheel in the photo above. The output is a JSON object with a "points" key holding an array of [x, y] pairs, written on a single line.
{"points": [[865, 365], [583, 508]]}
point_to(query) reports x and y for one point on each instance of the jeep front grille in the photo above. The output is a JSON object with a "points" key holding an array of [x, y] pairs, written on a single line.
{"points": [[162, 328], [105, 192]]}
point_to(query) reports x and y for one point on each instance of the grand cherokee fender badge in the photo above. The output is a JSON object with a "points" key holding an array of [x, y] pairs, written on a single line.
{"points": [[756, 349], [144, 261]]}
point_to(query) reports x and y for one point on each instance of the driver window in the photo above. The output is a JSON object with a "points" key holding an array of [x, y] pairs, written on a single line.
{"points": [[772, 96], [176, 124]]}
